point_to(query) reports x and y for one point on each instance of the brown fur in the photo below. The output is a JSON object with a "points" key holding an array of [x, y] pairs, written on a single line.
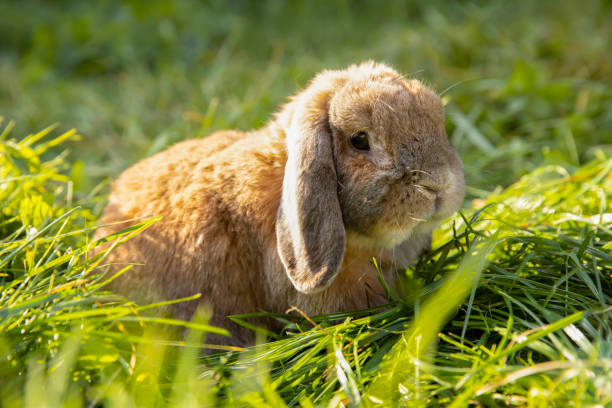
{"points": [[291, 214]]}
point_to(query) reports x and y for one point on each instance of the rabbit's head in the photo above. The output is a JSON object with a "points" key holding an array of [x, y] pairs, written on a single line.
{"points": [[368, 160]]}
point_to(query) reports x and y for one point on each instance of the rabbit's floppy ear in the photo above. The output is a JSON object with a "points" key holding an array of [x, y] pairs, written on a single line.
{"points": [[309, 228]]}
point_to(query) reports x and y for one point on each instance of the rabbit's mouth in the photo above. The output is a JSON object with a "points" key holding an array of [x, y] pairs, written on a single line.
{"points": [[443, 195], [422, 212], [411, 205]]}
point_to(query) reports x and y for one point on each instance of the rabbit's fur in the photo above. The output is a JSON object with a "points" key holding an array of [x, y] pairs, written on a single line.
{"points": [[292, 214]]}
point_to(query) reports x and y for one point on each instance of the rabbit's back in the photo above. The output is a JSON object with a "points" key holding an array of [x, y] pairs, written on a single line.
{"points": [[216, 197]]}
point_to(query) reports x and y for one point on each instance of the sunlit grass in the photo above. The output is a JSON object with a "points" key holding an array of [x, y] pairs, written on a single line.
{"points": [[60, 332], [512, 307]]}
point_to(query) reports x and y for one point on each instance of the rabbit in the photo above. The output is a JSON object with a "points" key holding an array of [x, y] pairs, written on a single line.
{"points": [[356, 166]]}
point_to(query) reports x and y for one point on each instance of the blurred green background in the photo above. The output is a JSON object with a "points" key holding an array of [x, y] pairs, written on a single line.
{"points": [[526, 83]]}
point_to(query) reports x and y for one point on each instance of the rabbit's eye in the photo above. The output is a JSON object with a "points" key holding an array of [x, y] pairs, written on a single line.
{"points": [[360, 141]]}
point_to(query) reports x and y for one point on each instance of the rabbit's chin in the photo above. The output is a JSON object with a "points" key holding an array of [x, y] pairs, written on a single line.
{"points": [[385, 236]]}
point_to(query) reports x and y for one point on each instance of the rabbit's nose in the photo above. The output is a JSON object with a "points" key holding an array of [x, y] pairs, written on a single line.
{"points": [[401, 174], [423, 179], [409, 175], [407, 162]]}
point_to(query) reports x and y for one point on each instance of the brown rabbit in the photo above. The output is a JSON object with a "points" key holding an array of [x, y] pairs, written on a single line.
{"points": [[356, 166]]}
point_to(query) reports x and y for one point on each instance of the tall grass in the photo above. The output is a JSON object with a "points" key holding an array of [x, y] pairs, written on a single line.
{"points": [[511, 308], [60, 332]]}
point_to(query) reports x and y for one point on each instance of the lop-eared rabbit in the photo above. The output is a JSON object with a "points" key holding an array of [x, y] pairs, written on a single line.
{"points": [[355, 166]]}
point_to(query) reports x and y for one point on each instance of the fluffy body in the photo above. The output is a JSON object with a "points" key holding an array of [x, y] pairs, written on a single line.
{"points": [[292, 214]]}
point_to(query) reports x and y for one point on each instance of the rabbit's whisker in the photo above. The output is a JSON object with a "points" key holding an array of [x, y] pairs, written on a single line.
{"points": [[410, 74], [416, 219], [378, 100], [424, 190], [397, 222], [398, 78], [420, 171], [411, 216], [456, 84], [393, 259]]}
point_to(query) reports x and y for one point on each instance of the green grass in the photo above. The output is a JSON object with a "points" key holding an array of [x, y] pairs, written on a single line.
{"points": [[511, 308], [534, 331]]}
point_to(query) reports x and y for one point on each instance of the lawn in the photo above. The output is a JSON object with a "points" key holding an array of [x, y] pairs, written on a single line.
{"points": [[513, 306]]}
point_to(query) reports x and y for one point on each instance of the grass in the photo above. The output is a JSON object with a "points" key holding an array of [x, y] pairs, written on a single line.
{"points": [[534, 331], [511, 308]]}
